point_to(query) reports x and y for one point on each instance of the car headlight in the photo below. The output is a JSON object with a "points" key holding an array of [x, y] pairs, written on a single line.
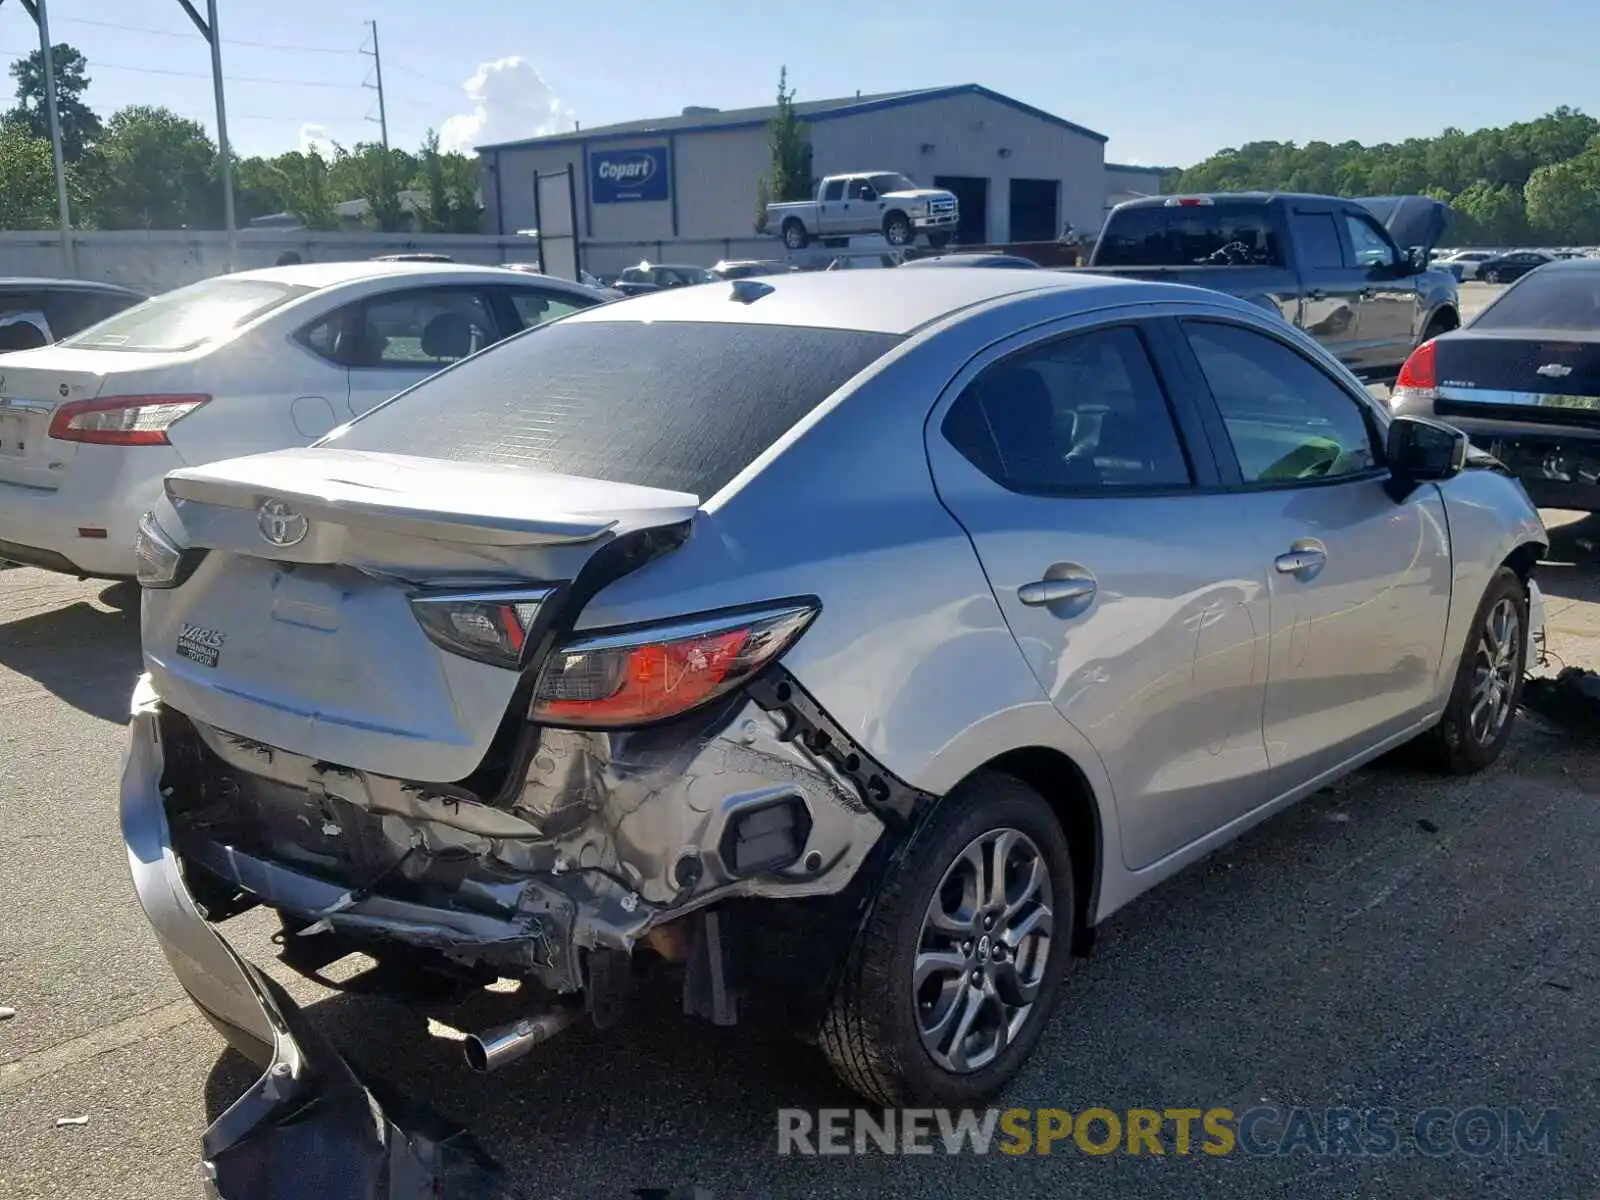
{"points": [[161, 562], [920, 208]]}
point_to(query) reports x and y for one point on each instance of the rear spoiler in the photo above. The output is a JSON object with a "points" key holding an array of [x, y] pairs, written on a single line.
{"points": [[1411, 220]]}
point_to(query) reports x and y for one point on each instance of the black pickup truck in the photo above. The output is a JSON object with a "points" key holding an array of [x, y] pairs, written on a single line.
{"points": [[1353, 274]]}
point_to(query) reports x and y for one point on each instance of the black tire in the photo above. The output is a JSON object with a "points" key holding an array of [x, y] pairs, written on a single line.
{"points": [[939, 240], [795, 235], [1489, 276], [871, 1031], [897, 229], [1455, 744]]}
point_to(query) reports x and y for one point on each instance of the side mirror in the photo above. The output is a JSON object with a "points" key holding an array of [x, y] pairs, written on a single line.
{"points": [[867, 193], [1424, 451]]}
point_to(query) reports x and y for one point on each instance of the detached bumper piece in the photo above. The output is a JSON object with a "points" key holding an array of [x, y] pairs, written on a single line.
{"points": [[310, 1128]]}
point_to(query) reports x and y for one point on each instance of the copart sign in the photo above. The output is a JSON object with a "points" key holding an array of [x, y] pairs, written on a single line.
{"points": [[623, 176]]}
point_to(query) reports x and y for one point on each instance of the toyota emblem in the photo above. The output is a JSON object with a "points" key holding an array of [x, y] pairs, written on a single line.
{"points": [[281, 525]]}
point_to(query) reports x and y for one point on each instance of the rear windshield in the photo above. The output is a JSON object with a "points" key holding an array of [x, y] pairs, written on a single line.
{"points": [[676, 405], [1554, 298], [1206, 235], [187, 317]]}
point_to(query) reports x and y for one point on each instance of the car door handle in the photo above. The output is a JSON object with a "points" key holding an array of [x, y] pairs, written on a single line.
{"points": [[1300, 560], [1055, 591]]}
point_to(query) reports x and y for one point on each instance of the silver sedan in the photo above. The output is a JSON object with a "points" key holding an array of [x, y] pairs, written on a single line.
{"points": [[868, 640]]}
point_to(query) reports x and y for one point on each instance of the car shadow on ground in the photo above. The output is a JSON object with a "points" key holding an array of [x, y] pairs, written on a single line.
{"points": [[86, 654]]}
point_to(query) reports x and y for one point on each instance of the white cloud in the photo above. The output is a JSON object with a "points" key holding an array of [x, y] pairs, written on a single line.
{"points": [[315, 137], [509, 100]]}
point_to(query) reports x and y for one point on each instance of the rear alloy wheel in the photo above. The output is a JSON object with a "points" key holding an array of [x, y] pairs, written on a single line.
{"points": [[897, 229], [1491, 276], [958, 965], [795, 236], [1478, 721]]}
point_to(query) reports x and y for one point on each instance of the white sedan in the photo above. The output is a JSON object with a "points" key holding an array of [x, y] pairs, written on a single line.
{"points": [[258, 360]]}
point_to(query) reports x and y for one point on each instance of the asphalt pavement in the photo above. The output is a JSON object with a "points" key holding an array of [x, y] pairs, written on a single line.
{"points": [[1398, 941]]}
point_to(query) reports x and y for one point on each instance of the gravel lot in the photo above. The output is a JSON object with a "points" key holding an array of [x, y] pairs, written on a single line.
{"points": [[1396, 941]]}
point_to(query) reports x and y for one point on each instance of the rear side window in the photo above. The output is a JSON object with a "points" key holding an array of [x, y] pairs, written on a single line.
{"points": [[1084, 412], [1202, 235], [678, 405], [425, 328], [1561, 298], [536, 307], [188, 317], [1316, 238]]}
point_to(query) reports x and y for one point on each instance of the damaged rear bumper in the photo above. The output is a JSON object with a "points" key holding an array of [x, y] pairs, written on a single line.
{"points": [[309, 1126]]}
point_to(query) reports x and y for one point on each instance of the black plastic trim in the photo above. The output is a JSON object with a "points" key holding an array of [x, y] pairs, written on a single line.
{"points": [[894, 801]]}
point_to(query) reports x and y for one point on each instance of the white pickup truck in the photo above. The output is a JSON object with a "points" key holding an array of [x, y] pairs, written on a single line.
{"points": [[866, 202]]}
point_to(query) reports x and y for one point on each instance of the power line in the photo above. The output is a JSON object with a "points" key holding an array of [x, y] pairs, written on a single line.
{"points": [[454, 87], [225, 41]]}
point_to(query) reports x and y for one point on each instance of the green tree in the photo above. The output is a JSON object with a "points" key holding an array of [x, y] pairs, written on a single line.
{"points": [[1490, 213], [789, 177], [152, 169], [449, 183], [79, 124], [1563, 199], [28, 196], [371, 173]]}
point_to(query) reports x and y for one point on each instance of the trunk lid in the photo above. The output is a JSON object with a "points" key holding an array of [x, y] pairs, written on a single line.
{"points": [[1522, 375], [297, 629], [33, 384]]}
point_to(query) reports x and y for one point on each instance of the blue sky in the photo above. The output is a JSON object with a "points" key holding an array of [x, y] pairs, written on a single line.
{"points": [[1169, 81]]}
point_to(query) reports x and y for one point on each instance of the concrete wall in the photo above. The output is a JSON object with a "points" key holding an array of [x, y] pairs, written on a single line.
{"points": [[156, 260]]}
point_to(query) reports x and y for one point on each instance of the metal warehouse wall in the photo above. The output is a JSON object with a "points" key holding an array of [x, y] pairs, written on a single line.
{"points": [[966, 135], [712, 206]]}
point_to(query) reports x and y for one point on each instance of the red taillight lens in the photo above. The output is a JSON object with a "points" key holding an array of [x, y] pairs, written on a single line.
{"points": [[649, 675], [1417, 375], [122, 420], [490, 627]]}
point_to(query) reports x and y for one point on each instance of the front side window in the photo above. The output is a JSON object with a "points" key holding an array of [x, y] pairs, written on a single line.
{"points": [[1083, 412], [1286, 419], [834, 190], [1372, 249]]}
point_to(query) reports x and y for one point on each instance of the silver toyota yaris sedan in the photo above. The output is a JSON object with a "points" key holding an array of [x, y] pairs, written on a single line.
{"points": [[863, 639]]}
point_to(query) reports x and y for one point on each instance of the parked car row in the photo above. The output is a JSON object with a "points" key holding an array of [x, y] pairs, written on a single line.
{"points": [[240, 363], [545, 669]]}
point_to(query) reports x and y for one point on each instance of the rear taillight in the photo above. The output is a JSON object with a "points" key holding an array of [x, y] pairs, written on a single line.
{"points": [[159, 561], [647, 675], [122, 420], [1417, 379], [489, 627]]}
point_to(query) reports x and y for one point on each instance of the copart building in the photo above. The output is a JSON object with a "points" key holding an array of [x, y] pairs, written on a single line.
{"points": [[684, 188]]}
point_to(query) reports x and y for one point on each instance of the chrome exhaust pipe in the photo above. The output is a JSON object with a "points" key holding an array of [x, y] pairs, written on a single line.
{"points": [[494, 1048]]}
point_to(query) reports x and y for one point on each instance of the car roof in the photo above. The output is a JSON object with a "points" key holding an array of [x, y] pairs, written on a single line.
{"points": [[19, 283], [874, 301], [1570, 264], [328, 274]]}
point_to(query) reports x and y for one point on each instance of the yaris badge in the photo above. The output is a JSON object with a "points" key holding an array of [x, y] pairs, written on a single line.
{"points": [[280, 525]]}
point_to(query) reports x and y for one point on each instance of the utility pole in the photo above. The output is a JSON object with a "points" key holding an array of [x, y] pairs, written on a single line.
{"points": [[207, 26], [41, 17], [377, 67]]}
